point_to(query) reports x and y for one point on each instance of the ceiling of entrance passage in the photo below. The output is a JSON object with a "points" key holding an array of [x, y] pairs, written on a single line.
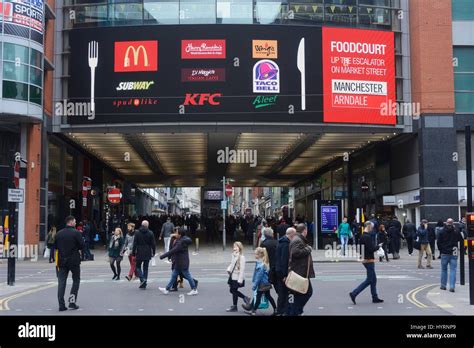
{"points": [[191, 159]]}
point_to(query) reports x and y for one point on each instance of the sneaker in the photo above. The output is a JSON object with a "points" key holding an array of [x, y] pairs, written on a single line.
{"points": [[442, 287], [377, 300], [73, 306], [231, 309], [429, 267], [353, 298], [192, 292], [115, 276], [128, 278], [451, 290], [164, 291], [118, 278], [142, 285]]}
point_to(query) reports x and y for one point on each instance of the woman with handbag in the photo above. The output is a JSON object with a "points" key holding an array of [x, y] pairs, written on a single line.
{"points": [[236, 276], [261, 284], [382, 238], [50, 243], [116, 252]]}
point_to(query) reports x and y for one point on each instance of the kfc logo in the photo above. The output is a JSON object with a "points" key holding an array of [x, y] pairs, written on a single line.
{"points": [[134, 56], [202, 98], [203, 49]]}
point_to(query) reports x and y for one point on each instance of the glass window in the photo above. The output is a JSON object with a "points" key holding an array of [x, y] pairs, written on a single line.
{"points": [[385, 3], [35, 76], [16, 73], [54, 165], [464, 102], [68, 182], [464, 78], [464, 82], [15, 90], [91, 14], [197, 12], [162, 12], [15, 53], [268, 12], [463, 10], [35, 58], [464, 56], [235, 11], [35, 95], [126, 12]]}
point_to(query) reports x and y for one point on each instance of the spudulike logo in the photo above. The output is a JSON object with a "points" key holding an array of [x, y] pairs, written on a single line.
{"points": [[266, 77]]}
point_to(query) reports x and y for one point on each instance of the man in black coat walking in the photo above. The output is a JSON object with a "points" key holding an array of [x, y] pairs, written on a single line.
{"points": [[143, 249], [282, 228], [395, 236], [281, 269], [409, 231], [180, 258], [68, 242], [270, 244]]}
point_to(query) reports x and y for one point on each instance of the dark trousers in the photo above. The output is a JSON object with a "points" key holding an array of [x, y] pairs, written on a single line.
{"points": [[370, 280], [118, 270], [433, 248], [258, 299], [410, 245], [234, 290], [282, 291], [384, 247], [296, 301], [62, 281], [143, 275]]}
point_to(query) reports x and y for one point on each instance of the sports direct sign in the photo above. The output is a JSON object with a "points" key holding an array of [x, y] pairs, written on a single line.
{"points": [[358, 76]]}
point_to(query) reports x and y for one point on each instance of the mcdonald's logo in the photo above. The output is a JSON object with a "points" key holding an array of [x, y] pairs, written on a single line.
{"points": [[134, 56]]}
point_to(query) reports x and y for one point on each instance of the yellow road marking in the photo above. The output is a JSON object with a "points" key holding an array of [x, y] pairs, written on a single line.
{"points": [[411, 295], [4, 301]]}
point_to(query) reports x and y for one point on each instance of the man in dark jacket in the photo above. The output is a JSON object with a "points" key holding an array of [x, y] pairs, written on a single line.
{"points": [[282, 228], [143, 250], [180, 258], [448, 245], [422, 237], [369, 248], [301, 263], [409, 232], [395, 236], [281, 269], [271, 245], [68, 242]]}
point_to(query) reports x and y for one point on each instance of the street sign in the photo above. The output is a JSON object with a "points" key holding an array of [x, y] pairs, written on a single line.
{"points": [[114, 195], [224, 205], [228, 190], [16, 195]]}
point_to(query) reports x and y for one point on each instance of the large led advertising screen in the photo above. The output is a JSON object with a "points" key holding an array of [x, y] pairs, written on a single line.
{"points": [[205, 73]]}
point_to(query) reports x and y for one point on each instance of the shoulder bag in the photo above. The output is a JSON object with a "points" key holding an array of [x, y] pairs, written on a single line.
{"points": [[229, 281], [297, 283]]}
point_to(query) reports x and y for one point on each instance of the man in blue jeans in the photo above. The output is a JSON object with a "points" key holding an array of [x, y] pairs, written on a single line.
{"points": [[448, 245], [180, 262], [369, 249]]}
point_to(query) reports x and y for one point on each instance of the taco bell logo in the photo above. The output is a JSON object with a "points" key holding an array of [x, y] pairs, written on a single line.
{"points": [[266, 77]]}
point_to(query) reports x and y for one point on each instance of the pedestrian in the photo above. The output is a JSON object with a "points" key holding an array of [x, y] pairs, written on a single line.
{"points": [[344, 234], [439, 227], [281, 269], [68, 242], [115, 252], [300, 262], [50, 243], [180, 280], [282, 228], [409, 232], [382, 240], [143, 250], [1, 241], [422, 239], [86, 234], [271, 245], [448, 245], [128, 251], [236, 271], [355, 228], [260, 283], [432, 240], [395, 235], [180, 255], [166, 231], [369, 263]]}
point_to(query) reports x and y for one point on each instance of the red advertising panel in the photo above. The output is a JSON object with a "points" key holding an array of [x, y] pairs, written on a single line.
{"points": [[202, 49], [134, 56], [359, 76]]}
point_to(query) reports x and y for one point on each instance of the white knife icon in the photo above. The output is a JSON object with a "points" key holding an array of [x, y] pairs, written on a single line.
{"points": [[93, 58], [301, 63]]}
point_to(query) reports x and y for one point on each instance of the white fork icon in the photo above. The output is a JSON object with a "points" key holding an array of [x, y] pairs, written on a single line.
{"points": [[93, 58]]}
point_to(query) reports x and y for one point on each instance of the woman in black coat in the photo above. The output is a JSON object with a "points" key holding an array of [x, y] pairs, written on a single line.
{"points": [[382, 238]]}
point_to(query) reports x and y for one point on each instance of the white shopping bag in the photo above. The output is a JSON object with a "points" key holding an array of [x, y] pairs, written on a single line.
{"points": [[47, 253], [153, 261]]}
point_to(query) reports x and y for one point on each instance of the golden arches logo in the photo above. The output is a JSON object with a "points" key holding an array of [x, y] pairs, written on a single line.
{"points": [[136, 55]]}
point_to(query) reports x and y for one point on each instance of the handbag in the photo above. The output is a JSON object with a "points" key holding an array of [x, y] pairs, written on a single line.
{"points": [[297, 283], [265, 287], [263, 301], [380, 253], [417, 244]]}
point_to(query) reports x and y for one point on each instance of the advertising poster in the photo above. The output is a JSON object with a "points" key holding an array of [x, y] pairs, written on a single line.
{"points": [[23, 18]]}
